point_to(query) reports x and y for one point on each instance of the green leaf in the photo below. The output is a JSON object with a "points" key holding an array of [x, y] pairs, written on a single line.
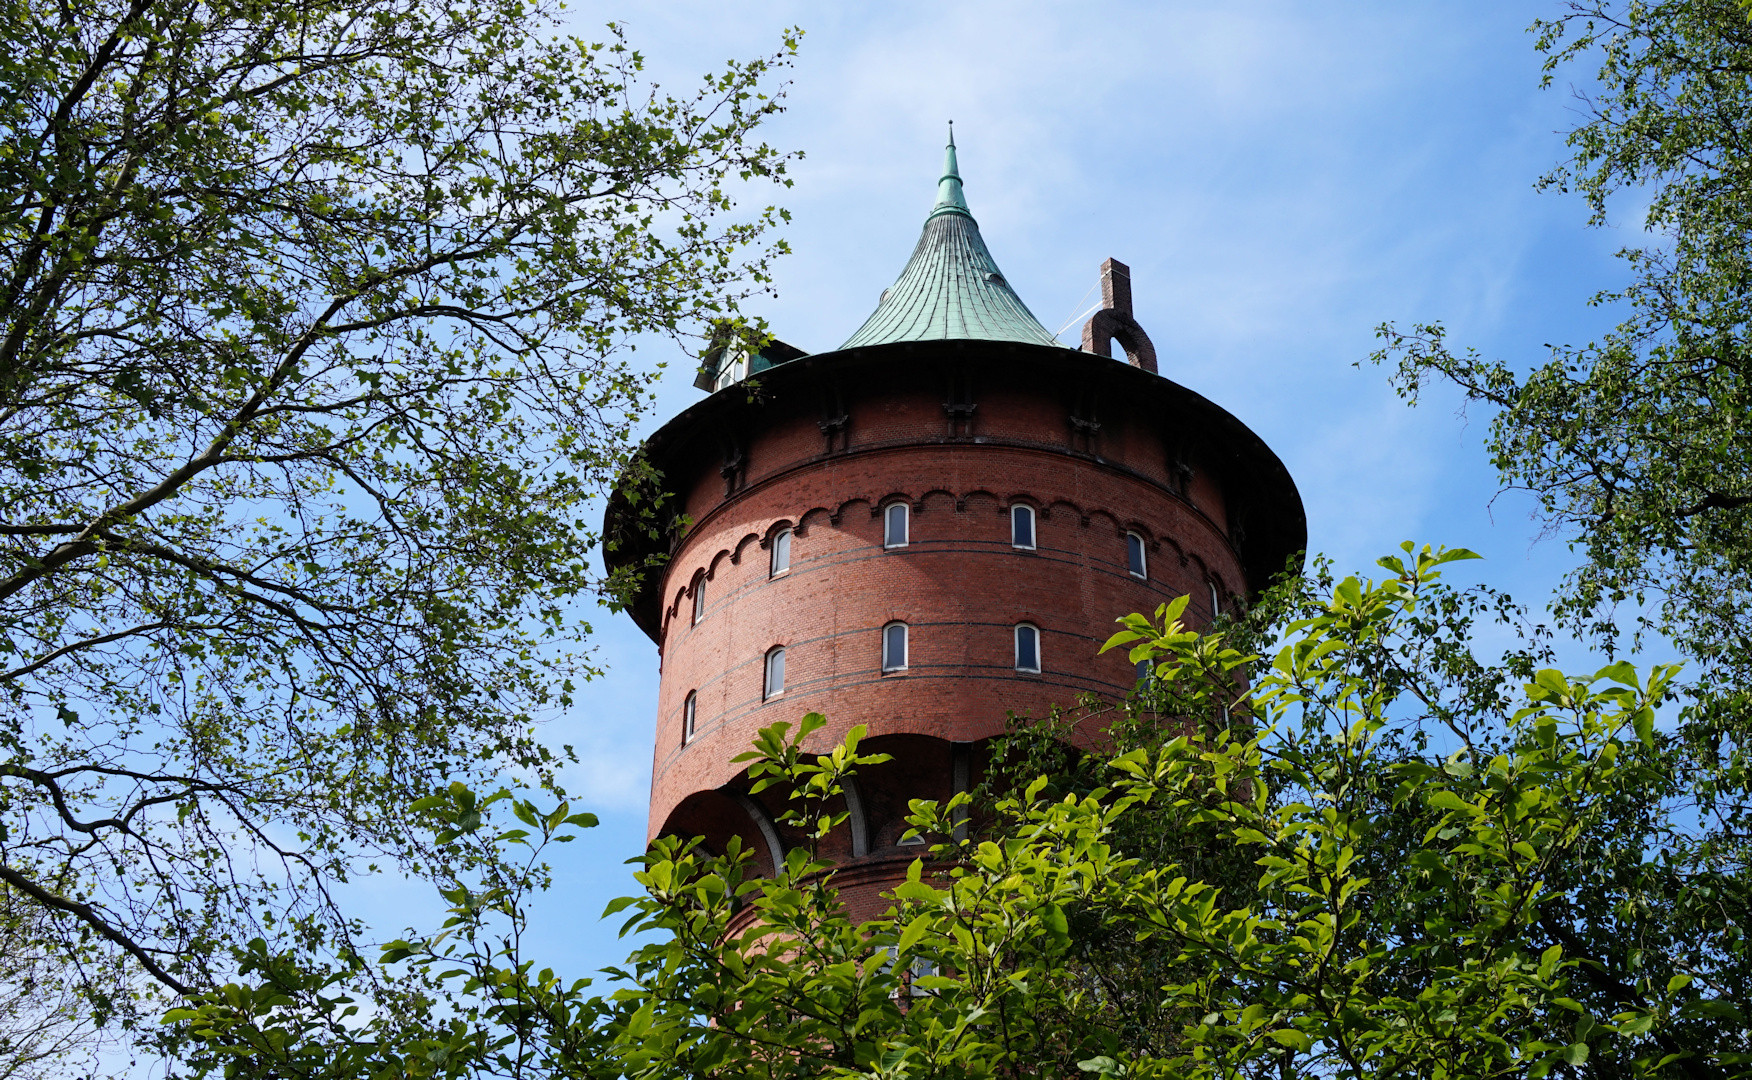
{"points": [[1294, 1039], [1643, 721], [1174, 610], [1123, 637], [914, 933], [1052, 919], [1444, 799]]}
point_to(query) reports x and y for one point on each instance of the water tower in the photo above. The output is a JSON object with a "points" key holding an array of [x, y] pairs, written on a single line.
{"points": [[925, 529]]}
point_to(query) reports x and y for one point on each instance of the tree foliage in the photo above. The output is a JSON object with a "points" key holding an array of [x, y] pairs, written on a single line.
{"points": [[313, 321], [1637, 446], [1443, 883], [1638, 451], [45, 1024]]}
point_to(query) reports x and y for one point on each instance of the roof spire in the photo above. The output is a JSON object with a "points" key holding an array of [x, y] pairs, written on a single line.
{"points": [[950, 200], [951, 289]]}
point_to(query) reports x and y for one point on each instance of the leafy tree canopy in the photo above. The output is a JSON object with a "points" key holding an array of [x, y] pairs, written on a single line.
{"points": [[312, 331], [1456, 869]]}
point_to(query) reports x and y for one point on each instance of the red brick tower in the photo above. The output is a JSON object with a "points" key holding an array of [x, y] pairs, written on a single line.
{"points": [[926, 528]]}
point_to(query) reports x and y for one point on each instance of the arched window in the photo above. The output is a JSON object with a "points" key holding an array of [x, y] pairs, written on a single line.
{"points": [[1216, 604], [1027, 647], [699, 611], [1022, 527], [775, 672], [688, 712], [781, 552], [894, 525], [1134, 555], [894, 647]]}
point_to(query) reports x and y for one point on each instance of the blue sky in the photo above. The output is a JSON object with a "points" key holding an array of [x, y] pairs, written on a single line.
{"points": [[1280, 177]]}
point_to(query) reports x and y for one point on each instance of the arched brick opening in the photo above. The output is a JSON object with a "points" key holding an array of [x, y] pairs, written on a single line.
{"points": [[1114, 320], [716, 816]]}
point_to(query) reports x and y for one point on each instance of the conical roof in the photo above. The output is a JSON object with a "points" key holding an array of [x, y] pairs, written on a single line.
{"points": [[951, 288]]}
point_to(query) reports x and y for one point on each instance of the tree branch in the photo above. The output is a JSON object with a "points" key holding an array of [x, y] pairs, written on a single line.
{"points": [[89, 916]]}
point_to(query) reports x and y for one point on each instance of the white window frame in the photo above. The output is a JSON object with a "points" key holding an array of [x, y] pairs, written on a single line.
{"points": [[699, 600], [888, 659], [921, 968], [1142, 573], [1024, 510], [888, 519], [917, 968], [780, 562], [768, 690], [1016, 638], [690, 708], [734, 371]]}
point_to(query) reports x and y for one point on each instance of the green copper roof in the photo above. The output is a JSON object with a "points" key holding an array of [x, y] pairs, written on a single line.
{"points": [[950, 288]]}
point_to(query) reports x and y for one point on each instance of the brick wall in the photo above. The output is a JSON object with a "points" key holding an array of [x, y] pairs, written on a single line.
{"points": [[959, 584]]}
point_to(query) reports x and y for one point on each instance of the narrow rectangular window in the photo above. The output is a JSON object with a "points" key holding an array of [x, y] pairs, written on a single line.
{"points": [[921, 969], [917, 968], [894, 647], [687, 718], [1216, 607], [1027, 648], [781, 552], [1022, 526], [699, 611], [894, 525], [1134, 555], [775, 673]]}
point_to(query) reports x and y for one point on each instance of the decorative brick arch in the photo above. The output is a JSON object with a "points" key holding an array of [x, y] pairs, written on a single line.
{"points": [[1114, 320]]}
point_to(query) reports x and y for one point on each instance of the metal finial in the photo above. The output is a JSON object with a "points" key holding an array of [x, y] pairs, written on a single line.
{"points": [[951, 134]]}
